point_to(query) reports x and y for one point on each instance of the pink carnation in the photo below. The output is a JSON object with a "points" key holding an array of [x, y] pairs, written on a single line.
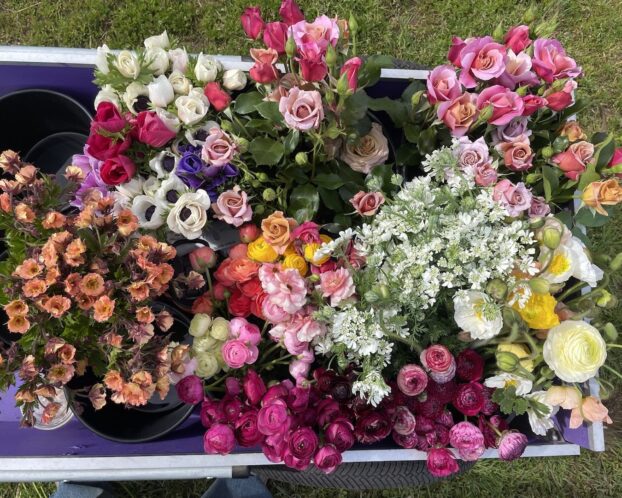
{"points": [[337, 284], [285, 288]]}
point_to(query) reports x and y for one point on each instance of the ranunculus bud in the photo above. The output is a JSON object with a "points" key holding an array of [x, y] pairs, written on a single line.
{"points": [[506, 361], [551, 237], [512, 445], [539, 285], [301, 159], [254, 387], [497, 289], [439, 362], [202, 259], [268, 195], [610, 332], [249, 233]]}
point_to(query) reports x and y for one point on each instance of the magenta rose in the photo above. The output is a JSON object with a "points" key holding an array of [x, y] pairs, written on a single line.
{"points": [[307, 232], [232, 207], [103, 148], [468, 440], [551, 62], [457, 44], [117, 170], [443, 84], [506, 105], [517, 155], [404, 421], [512, 445], [441, 462], [219, 439], [469, 365], [190, 389], [558, 101], [367, 203], [514, 198], [302, 109], [539, 207], [108, 119], [340, 432], [469, 399], [517, 38], [252, 23], [327, 458], [485, 175], [151, 130], [274, 418], [246, 431], [412, 380], [218, 149], [372, 427], [290, 12], [439, 363], [312, 66], [351, 69], [459, 114], [275, 36], [574, 161], [616, 160], [481, 59], [253, 386]]}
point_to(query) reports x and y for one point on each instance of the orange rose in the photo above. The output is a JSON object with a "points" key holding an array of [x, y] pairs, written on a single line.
{"points": [[276, 230], [54, 219], [103, 309], [573, 132], [599, 194], [24, 214]]}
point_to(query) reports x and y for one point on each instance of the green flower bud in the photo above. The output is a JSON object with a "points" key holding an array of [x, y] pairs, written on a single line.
{"points": [[226, 126], [314, 278], [497, 289], [302, 159], [255, 183], [551, 237], [604, 299], [269, 195], [555, 288], [290, 47], [530, 15], [342, 84], [535, 223], [547, 373], [522, 90], [331, 56], [507, 362], [227, 293], [371, 297], [616, 263], [329, 96], [498, 33], [547, 152], [259, 209], [560, 144], [611, 332], [533, 178], [353, 25], [540, 285], [262, 177], [485, 114], [416, 98], [242, 144], [383, 291]]}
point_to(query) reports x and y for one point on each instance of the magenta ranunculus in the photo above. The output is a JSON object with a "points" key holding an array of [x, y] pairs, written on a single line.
{"points": [[340, 432], [551, 62], [481, 59], [469, 365], [253, 386], [404, 422], [232, 407], [246, 431], [236, 354], [219, 439], [298, 399], [190, 389], [443, 84], [468, 440], [514, 198], [302, 443], [212, 412], [327, 411], [490, 435], [327, 458], [439, 362], [409, 442], [274, 418], [512, 445], [446, 419], [372, 427], [441, 462], [469, 398], [274, 447], [151, 130], [506, 104], [517, 38], [412, 380], [444, 392]]}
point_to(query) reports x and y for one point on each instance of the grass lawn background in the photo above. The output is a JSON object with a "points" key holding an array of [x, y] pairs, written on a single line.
{"points": [[418, 30]]}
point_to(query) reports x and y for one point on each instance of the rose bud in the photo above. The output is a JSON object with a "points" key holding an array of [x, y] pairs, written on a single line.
{"points": [[252, 23], [202, 259], [469, 366], [412, 380], [441, 462], [512, 445], [327, 458], [218, 98], [190, 389], [340, 433], [219, 439], [249, 233]]}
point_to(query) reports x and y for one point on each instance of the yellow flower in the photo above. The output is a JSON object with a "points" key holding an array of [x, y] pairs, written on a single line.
{"points": [[259, 250], [521, 351], [539, 311], [309, 251], [290, 249], [297, 263]]}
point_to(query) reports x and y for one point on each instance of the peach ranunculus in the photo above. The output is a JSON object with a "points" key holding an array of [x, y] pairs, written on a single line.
{"points": [[103, 309], [18, 324], [573, 132], [133, 395], [56, 305], [92, 285], [241, 270], [127, 222], [592, 410], [599, 194], [568, 397], [24, 213], [574, 161], [144, 314], [232, 207], [113, 380], [276, 230], [54, 219], [28, 269], [16, 308], [459, 114], [34, 287], [367, 203], [370, 151]]}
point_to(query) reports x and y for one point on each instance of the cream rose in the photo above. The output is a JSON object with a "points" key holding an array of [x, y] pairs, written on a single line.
{"points": [[127, 64], [234, 79], [372, 150], [161, 91], [181, 85], [206, 68], [101, 59], [192, 108], [189, 214], [158, 41], [157, 58], [574, 350]]}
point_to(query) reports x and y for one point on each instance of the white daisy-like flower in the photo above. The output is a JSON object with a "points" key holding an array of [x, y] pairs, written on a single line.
{"points": [[164, 164], [477, 314], [523, 386], [170, 190], [126, 192], [540, 425], [149, 211], [188, 216]]}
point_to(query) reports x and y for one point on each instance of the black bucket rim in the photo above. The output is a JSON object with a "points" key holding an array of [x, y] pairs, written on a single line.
{"points": [[51, 92]]}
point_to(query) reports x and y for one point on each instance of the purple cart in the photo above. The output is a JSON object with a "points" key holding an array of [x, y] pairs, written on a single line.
{"points": [[73, 452]]}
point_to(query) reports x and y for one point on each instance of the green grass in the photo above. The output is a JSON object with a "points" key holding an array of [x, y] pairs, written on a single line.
{"points": [[417, 30]]}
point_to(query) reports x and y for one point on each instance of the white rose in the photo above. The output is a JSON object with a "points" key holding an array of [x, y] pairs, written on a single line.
{"points": [[158, 41], [475, 313], [107, 94], [179, 59], [157, 58], [200, 324], [132, 92], [101, 59], [574, 350], [169, 119], [191, 108], [207, 365], [220, 329], [189, 214], [164, 163], [180, 83], [234, 79], [127, 64], [149, 212], [161, 91], [206, 68]]}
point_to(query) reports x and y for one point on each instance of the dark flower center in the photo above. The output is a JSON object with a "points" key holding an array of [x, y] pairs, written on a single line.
{"points": [[185, 214], [168, 163], [172, 196], [149, 213], [142, 103]]}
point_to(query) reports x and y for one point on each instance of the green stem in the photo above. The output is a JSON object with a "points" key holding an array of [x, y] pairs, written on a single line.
{"points": [[614, 345], [613, 371], [571, 290]]}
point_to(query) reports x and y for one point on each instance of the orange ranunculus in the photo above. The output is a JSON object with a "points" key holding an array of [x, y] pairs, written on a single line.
{"points": [[103, 309], [18, 324], [139, 291], [34, 287], [276, 230], [242, 270], [127, 222], [592, 410], [16, 308], [54, 219], [163, 386], [28, 269], [24, 213], [599, 194], [113, 380], [56, 305], [144, 314], [92, 285]]}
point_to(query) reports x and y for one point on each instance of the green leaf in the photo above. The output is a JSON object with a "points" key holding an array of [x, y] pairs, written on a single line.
{"points": [[355, 108], [291, 141], [550, 180], [396, 109], [565, 217], [588, 176], [588, 218], [304, 202], [411, 89], [604, 152], [384, 173], [247, 102], [348, 191], [411, 132], [370, 71], [331, 199], [427, 141], [266, 151], [270, 110], [329, 181]]}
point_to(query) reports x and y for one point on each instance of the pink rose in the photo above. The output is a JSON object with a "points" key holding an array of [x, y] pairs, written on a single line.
{"points": [[264, 70], [532, 103], [443, 84], [468, 440], [539, 207], [338, 285], [219, 439], [274, 418], [190, 390], [218, 148], [574, 161], [151, 130], [412, 380], [275, 36], [472, 155], [367, 203], [514, 198], [108, 119], [517, 155], [506, 104], [518, 71], [307, 232], [485, 175], [517, 38], [616, 160], [551, 62], [252, 23], [103, 148], [302, 109], [481, 58], [312, 65], [512, 445], [459, 114], [441, 462], [290, 12], [315, 36], [439, 362], [351, 69], [457, 44], [236, 354], [558, 101], [232, 207], [327, 458], [253, 386]]}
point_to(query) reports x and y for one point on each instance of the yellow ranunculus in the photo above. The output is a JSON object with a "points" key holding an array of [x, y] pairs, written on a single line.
{"points": [[521, 351], [539, 311], [309, 254], [259, 250], [574, 350], [297, 263], [290, 249]]}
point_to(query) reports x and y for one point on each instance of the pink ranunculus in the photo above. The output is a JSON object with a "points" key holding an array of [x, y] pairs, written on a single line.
{"points": [[232, 386], [273, 312], [219, 149], [151, 130], [307, 232], [459, 114], [481, 59], [485, 175], [472, 155], [252, 23], [327, 458], [551, 62], [532, 103], [190, 389], [558, 101], [512, 445], [367, 203], [232, 207], [274, 418], [253, 386], [469, 399], [506, 105], [337, 285], [273, 447], [235, 353], [514, 198], [457, 44], [242, 329], [518, 71], [249, 233], [351, 68], [517, 38], [439, 362], [264, 71], [443, 84], [441, 462], [219, 439], [290, 12], [291, 341], [517, 155], [412, 380], [573, 162], [302, 109], [539, 207], [316, 35], [404, 421], [467, 439], [340, 432], [275, 36]]}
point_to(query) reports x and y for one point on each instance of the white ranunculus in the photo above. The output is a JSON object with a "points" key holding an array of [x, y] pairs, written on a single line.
{"points": [[169, 119], [149, 212], [200, 325], [151, 186], [131, 94], [107, 94], [207, 365], [157, 58], [523, 386], [158, 41], [192, 108], [179, 59], [127, 64], [220, 329], [180, 83], [477, 314], [204, 343], [188, 216], [171, 190], [164, 163], [101, 59], [234, 79], [540, 424], [126, 192], [574, 350], [206, 68], [161, 91]]}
